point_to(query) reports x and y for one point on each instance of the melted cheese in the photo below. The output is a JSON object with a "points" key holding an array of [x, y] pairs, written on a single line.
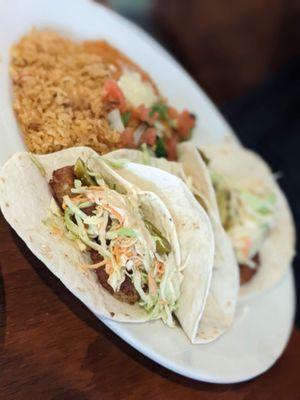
{"points": [[136, 90]]}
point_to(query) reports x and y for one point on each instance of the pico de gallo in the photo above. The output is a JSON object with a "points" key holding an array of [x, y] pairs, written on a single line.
{"points": [[135, 108]]}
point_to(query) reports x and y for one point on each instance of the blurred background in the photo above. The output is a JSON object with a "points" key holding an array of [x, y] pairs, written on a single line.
{"points": [[246, 56]]}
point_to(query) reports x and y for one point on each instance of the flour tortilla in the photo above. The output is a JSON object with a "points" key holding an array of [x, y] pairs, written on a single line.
{"points": [[220, 305], [246, 168], [25, 197]]}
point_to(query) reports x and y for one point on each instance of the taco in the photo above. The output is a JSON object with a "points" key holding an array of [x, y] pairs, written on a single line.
{"points": [[114, 246], [244, 195], [159, 177]]}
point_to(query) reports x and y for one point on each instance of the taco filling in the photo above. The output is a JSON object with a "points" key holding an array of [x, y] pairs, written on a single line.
{"points": [[248, 215], [127, 252]]}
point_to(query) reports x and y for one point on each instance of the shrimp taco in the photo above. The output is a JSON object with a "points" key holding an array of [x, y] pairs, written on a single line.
{"points": [[113, 245]]}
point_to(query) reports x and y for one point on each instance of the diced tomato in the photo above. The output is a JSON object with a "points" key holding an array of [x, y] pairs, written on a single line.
{"points": [[144, 114], [149, 136], [127, 138], [173, 113], [112, 94], [171, 144], [134, 118], [186, 122]]}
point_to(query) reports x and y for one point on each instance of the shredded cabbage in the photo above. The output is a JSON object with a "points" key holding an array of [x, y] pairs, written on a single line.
{"points": [[247, 214], [122, 232], [115, 228]]}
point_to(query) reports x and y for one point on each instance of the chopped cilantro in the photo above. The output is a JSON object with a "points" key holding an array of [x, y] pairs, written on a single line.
{"points": [[160, 150], [126, 117], [161, 109]]}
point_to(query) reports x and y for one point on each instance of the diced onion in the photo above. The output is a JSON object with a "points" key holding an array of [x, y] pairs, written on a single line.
{"points": [[138, 133], [115, 120], [159, 128]]}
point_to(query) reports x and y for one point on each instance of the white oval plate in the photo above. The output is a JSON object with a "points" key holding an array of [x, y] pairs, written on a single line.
{"points": [[257, 339]]}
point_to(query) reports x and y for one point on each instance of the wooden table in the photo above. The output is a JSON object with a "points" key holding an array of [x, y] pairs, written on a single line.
{"points": [[52, 347]]}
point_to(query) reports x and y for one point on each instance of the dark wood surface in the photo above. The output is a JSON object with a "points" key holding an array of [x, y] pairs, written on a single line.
{"points": [[231, 49], [52, 347]]}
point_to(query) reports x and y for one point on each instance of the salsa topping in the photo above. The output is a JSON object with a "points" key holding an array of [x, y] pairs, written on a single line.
{"points": [[148, 120]]}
